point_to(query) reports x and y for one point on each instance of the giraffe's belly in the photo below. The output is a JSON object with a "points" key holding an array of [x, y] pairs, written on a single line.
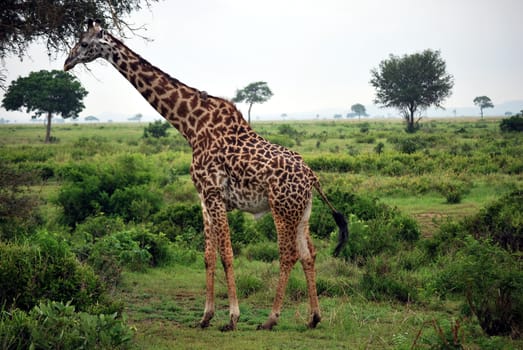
{"points": [[252, 199]]}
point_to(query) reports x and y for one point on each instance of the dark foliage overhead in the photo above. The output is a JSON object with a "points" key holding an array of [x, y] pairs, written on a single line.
{"points": [[58, 23]]}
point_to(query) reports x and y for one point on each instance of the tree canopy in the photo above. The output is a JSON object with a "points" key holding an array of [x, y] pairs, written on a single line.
{"points": [[483, 102], [358, 109], [46, 92], [257, 92], [58, 23], [412, 83]]}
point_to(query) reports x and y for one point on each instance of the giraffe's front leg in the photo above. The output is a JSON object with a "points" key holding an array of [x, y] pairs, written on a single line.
{"points": [[219, 229], [210, 268]]}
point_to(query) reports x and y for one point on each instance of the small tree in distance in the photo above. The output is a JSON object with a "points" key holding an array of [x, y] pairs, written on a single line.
{"points": [[257, 92], [46, 92], [483, 102], [358, 109], [412, 83]]}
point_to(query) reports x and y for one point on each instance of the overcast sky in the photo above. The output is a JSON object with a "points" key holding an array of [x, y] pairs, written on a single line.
{"points": [[314, 55]]}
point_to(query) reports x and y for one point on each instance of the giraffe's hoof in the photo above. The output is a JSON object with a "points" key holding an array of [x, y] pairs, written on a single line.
{"points": [[227, 328], [204, 324], [315, 319], [267, 325]]}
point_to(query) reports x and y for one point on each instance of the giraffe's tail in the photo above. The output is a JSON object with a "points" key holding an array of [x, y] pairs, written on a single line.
{"points": [[341, 221]]}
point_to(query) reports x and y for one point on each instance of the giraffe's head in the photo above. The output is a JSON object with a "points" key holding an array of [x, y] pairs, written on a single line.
{"points": [[92, 45]]}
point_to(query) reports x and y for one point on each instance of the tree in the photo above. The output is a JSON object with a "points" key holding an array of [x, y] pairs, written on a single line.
{"points": [[156, 129], [358, 109], [483, 102], [412, 83], [57, 23], [257, 92], [46, 92]]}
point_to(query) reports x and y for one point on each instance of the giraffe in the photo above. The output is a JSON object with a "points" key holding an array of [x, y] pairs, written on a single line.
{"points": [[232, 168]]}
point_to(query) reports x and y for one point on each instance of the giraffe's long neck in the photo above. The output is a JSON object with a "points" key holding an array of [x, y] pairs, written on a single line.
{"points": [[187, 109]]}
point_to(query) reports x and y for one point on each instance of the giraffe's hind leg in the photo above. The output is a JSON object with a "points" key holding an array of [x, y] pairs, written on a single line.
{"points": [[210, 268], [307, 256], [286, 226], [295, 243]]}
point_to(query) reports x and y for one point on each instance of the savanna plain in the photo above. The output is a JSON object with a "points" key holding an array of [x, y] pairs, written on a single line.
{"points": [[104, 233]]}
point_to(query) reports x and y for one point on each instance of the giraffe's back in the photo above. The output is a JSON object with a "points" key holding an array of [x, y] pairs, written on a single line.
{"points": [[257, 169]]}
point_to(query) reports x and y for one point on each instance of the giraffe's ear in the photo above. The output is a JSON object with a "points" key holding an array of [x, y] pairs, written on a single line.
{"points": [[89, 23]]}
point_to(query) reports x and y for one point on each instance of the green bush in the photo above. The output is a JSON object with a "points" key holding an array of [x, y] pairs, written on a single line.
{"points": [[55, 325], [514, 123], [156, 129], [95, 227], [366, 239], [45, 270], [18, 209], [247, 284], [157, 245], [491, 280], [383, 281], [181, 223], [404, 228], [453, 191], [119, 188], [501, 221], [122, 248], [262, 251], [242, 230], [265, 227]]}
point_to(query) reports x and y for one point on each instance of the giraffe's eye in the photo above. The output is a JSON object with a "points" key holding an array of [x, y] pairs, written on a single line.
{"points": [[83, 44]]}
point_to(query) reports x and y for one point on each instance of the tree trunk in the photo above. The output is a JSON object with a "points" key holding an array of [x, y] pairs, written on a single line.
{"points": [[249, 114], [48, 128], [410, 120]]}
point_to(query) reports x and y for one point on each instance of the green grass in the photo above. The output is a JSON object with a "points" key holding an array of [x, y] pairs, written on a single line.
{"points": [[164, 304]]}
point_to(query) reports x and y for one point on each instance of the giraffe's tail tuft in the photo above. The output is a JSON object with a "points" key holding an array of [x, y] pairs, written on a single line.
{"points": [[343, 234]]}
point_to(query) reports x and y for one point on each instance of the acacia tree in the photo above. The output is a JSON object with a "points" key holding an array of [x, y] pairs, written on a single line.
{"points": [[358, 109], [257, 92], [483, 102], [412, 83], [57, 23], [46, 92]]}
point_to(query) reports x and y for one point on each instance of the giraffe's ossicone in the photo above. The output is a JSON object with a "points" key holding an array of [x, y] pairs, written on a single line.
{"points": [[232, 168]]}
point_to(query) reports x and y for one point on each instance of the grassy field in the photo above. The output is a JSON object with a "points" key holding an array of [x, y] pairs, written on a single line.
{"points": [[417, 174]]}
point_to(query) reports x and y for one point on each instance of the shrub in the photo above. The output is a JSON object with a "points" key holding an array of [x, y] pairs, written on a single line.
{"points": [[18, 213], [113, 188], [501, 221], [453, 191], [263, 251], [157, 245], [156, 129], [242, 231], [404, 228], [366, 239], [491, 280], [281, 140], [247, 284], [514, 123], [45, 270], [122, 248], [55, 325], [266, 228], [181, 223], [95, 227], [382, 281]]}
